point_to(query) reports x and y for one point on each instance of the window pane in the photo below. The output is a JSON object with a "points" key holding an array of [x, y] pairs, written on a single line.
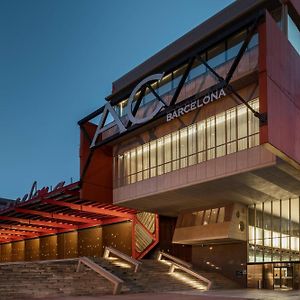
{"points": [[168, 153], [210, 133], [242, 127], [192, 145], [175, 150], [201, 140], [183, 147], [220, 130], [153, 158], [160, 156], [216, 56]]}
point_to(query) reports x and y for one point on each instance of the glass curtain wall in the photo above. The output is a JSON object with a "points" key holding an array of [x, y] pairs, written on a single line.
{"points": [[233, 130], [274, 231], [224, 52]]}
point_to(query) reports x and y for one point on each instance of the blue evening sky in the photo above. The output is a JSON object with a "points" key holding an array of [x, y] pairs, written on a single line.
{"points": [[58, 59]]}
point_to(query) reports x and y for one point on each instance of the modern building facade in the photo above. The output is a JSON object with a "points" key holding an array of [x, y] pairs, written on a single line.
{"points": [[196, 152], [205, 134]]}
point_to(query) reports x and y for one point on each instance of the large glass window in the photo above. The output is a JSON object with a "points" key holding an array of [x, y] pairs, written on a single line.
{"points": [[227, 132], [273, 232]]}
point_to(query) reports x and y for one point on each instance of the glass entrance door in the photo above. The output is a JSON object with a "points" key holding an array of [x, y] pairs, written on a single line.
{"points": [[283, 278]]}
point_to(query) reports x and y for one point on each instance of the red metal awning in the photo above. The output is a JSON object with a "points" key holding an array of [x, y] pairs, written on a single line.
{"points": [[57, 211]]}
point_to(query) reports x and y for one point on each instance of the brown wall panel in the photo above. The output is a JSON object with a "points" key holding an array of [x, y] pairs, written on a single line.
{"points": [[48, 247], [6, 252], [90, 242], [166, 230], [118, 236], [231, 259], [18, 251], [254, 275], [32, 249], [67, 245]]}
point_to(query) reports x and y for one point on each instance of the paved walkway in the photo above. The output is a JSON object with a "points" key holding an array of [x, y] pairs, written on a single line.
{"points": [[194, 295]]}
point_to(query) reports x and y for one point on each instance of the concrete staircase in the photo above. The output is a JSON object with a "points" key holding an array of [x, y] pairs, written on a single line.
{"points": [[58, 278]]}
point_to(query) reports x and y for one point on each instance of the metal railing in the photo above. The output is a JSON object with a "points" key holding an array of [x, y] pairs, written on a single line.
{"points": [[123, 256], [116, 281], [173, 259], [190, 272]]}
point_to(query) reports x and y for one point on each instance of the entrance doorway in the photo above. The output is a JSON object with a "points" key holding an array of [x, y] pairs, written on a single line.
{"points": [[283, 277]]}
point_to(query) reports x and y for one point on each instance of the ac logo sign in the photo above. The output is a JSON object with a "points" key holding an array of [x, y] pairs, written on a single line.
{"points": [[133, 119]]}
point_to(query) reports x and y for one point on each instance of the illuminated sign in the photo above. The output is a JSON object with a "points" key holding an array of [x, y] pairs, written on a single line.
{"points": [[133, 119], [195, 104]]}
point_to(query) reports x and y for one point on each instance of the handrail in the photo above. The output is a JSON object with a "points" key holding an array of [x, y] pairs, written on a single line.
{"points": [[116, 281], [174, 259], [191, 272], [122, 255]]}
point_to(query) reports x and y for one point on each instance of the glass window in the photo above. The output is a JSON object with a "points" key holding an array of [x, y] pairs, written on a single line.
{"points": [[216, 56], [214, 215], [133, 165], [168, 153], [293, 34], [253, 42], [153, 164], [175, 150], [233, 130], [221, 215], [160, 156], [192, 144], [183, 147], [242, 127], [139, 163], [197, 70], [146, 161], [234, 44], [206, 217], [211, 137], [221, 135], [201, 140]]}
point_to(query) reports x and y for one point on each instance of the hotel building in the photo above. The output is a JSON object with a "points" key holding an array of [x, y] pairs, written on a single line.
{"points": [[201, 143]]}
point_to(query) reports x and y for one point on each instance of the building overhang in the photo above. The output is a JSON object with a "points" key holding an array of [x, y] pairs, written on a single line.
{"points": [[255, 182]]}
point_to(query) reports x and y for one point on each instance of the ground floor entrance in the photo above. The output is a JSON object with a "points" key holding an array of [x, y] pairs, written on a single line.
{"points": [[278, 276], [283, 277]]}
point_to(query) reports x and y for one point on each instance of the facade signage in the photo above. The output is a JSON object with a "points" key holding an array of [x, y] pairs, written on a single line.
{"points": [[194, 104], [133, 119]]}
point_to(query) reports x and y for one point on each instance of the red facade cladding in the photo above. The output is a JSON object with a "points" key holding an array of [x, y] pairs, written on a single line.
{"points": [[97, 182], [279, 91]]}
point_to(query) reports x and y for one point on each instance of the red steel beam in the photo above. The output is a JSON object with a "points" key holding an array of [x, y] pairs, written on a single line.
{"points": [[39, 223], [17, 232], [55, 216], [28, 228], [91, 209], [8, 237], [106, 221]]}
